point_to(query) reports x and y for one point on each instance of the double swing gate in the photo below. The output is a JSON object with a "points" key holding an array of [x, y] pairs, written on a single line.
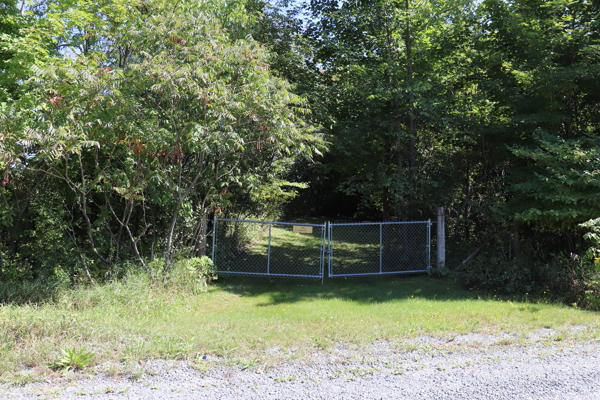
{"points": [[283, 249]]}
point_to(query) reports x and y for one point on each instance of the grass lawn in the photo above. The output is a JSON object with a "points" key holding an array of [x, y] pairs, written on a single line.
{"points": [[241, 319]]}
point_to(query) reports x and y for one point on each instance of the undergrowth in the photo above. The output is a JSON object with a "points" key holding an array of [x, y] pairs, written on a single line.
{"points": [[568, 279], [191, 275]]}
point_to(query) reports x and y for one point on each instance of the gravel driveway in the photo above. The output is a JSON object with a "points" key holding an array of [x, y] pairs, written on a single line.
{"points": [[470, 367]]}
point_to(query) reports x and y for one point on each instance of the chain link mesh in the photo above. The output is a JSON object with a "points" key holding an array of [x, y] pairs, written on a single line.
{"points": [[269, 248], [379, 248], [296, 250]]}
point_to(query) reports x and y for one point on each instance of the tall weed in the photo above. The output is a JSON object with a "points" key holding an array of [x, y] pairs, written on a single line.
{"points": [[37, 291]]}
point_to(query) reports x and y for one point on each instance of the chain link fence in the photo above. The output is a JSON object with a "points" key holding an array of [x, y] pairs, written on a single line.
{"points": [[379, 248], [244, 247]]}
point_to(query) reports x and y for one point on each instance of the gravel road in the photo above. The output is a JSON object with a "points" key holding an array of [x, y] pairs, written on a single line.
{"points": [[470, 367]]}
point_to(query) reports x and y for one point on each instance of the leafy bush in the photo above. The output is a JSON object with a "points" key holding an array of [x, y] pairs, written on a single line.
{"points": [[243, 234], [591, 292], [193, 274], [491, 272], [567, 278], [156, 268]]}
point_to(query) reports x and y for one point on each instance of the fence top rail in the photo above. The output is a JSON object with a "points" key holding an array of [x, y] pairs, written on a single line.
{"points": [[269, 222], [381, 223]]}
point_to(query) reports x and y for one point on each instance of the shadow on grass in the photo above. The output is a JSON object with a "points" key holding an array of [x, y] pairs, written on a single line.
{"points": [[367, 290], [284, 258]]}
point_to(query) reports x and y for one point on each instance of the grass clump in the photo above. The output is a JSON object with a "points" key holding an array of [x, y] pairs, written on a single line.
{"points": [[37, 291], [72, 359]]}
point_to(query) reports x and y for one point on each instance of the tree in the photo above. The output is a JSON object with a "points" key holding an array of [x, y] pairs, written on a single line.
{"points": [[8, 28], [543, 70], [157, 111], [389, 92]]}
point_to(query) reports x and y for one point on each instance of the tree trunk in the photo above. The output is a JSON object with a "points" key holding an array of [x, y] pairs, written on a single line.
{"points": [[386, 203], [155, 227], [472, 255], [1, 252], [516, 238], [464, 213], [169, 248], [200, 235], [83, 204]]}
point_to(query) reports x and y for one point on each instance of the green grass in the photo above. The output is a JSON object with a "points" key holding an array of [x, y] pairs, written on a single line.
{"points": [[241, 319]]}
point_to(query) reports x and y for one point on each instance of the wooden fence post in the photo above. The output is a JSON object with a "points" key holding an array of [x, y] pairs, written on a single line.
{"points": [[441, 241]]}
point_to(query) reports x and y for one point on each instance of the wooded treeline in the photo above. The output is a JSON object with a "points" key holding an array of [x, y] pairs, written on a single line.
{"points": [[126, 125]]}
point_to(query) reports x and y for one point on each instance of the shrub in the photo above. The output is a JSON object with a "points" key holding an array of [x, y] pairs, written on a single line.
{"points": [[591, 289], [591, 292], [156, 267], [492, 272], [566, 276], [193, 274], [242, 234], [569, 278]]}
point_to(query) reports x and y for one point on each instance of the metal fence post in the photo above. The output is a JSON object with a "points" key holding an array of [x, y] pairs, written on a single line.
{"points": [[429, 244], [329, 249], [380, 248], [214, 240], [269, 252], [323, 233]]}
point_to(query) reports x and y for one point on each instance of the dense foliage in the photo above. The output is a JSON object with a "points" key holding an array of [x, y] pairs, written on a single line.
{"points": [[139, 121], [126, 125], [487, 108]]}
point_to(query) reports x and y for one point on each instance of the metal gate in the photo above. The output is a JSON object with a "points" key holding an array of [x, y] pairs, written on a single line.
{"points": [[264, 248], [379, 248], [246, 247]]}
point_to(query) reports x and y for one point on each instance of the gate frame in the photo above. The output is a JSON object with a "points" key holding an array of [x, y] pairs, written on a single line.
{"points": [[271, 223], [330, 247]]}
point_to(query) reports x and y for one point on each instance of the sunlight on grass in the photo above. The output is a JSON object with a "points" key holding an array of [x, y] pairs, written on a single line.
{"points": [[244, 318]]}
